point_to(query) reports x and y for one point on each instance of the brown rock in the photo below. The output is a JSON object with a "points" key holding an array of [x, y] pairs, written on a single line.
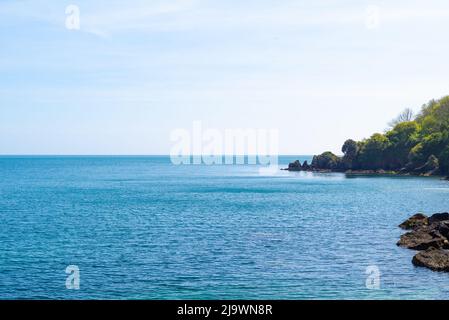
{"points": [[414, 222], [434, 259], [443, 228], [420, 240], [437, 217]]}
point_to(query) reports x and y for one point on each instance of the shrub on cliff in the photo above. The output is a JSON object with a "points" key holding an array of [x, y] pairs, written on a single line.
{"points": [[410, 145], [372, 152], [350, 150], [326, 160], [402, 138]]}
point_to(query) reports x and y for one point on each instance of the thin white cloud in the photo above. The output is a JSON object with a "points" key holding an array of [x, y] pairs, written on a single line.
{"points": [[105, 18], [182, 15]]}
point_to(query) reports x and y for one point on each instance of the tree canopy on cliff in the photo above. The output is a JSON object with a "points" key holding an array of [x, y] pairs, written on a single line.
{"points": [[414, 144]]}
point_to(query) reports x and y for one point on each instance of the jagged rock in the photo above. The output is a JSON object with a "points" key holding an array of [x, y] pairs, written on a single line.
{"points": [[437, 217], [406, 169], [414, 221], [430, 236], [443, 229], [420, 240], [430, 168], [432, 163], [306, 166], [434, 259], [295, 166]]}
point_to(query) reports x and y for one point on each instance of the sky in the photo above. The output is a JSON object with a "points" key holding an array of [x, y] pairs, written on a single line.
{"points": [[319, 72]]}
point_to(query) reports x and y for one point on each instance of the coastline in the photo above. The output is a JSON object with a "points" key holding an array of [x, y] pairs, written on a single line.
{"points": [[414, 145], [379, 172]]}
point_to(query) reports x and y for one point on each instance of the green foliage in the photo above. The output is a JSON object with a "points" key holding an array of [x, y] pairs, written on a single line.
{"points": [[431, 144], [326, 160], [411, 145], [403, 137], [435, 117], [444, 160], [350, 149], [371, 155], [416, 155]]}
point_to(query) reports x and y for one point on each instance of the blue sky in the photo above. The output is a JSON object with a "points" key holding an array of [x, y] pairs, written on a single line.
{"points": [[319, 71]]}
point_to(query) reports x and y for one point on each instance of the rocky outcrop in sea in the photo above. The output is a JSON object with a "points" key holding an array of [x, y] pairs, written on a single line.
{"points": [[429, 236]]}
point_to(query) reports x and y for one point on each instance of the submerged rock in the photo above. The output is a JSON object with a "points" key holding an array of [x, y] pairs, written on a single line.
{"points": [[414, 221], [434, 259]]}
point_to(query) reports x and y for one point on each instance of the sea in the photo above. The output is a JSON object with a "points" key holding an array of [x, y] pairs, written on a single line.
{"points": [[141, 227]]}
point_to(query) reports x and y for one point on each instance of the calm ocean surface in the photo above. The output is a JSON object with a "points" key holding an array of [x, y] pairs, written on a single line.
{"points": [[142, 228]]}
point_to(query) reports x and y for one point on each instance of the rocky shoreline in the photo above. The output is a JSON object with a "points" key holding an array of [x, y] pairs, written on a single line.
{"points": [[296, 166], [429, 236]]}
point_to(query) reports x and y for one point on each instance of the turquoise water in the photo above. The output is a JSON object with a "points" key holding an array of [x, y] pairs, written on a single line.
{"points": [[141, 228]]}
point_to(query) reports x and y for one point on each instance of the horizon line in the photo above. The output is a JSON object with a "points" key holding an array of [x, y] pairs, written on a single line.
{"points": [[137, 155]]}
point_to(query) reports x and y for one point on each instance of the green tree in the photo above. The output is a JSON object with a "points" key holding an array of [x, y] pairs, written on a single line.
{"points": [[350, 150], [432, 144], [326, 160], [371, 156], [403, 137], [415, 145], [444, 160]]}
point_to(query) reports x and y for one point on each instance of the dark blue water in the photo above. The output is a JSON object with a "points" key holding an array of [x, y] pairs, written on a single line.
{"points": [[141, 228]]}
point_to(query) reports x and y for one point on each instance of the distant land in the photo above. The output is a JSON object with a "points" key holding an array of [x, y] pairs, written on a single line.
{"points": [[414, 144]]}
